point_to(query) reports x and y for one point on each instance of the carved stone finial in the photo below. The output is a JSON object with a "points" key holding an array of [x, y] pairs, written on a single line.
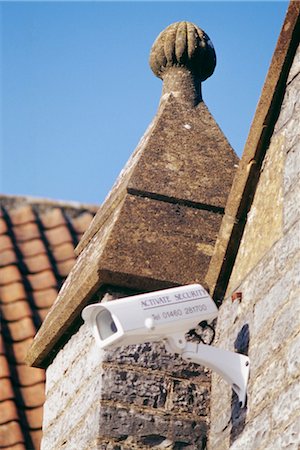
{"points": [[183, 44]]}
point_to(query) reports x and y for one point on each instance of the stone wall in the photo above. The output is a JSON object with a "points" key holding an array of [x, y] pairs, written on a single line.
{"points": [[266, 322], [138, 397]]}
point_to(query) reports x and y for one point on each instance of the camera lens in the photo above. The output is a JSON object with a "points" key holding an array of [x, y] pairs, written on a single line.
{"points": [[113, 327]]}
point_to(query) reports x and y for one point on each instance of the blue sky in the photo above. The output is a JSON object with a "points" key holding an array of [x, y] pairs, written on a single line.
{"points": [[77, 92]]}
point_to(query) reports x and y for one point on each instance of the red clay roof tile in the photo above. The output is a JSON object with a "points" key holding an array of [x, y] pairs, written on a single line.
{"points": [[63, 251], [2, 349], [5, 242], [22, 329], [16, 310], [29, 275], [58, 236], [12, 292], [6, 391], [10, 434], [42, 280], [3, 226], [37, 263], [64, 267], [36, 436], [53, 218], [43, 312], [22, 215], [29, 375], [32, 248], [45, 298], [34, 417], [9, 274], [4, 367], [33, 396], [26, 232], [20, 349], [8, 411], [7, 257], [82, 222]]}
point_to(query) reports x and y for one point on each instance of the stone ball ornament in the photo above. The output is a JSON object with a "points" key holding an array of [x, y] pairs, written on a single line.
{"points": [[183, 44]]}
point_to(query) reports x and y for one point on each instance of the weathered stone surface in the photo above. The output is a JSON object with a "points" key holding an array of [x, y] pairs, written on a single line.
{"points": [[190, 170], [183, 44], [266, 272], [245, 181], [155, 357], [116, 422], [135, 254]]}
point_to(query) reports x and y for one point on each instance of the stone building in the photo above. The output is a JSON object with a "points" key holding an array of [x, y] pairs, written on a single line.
{"points": [[165, 224]]}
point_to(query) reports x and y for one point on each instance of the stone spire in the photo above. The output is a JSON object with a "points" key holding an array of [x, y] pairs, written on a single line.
{"points": [[183, 56], [158, 225]]}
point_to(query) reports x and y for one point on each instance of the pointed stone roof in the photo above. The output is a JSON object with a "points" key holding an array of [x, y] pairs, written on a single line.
{"points": [[158, 226]]}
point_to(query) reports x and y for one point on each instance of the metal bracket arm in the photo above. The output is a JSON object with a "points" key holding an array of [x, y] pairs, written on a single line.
{"points": [[233, 367]]}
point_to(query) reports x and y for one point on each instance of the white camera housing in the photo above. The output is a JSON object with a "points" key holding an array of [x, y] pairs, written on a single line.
{"points": [[149, 317], [167, 315]]}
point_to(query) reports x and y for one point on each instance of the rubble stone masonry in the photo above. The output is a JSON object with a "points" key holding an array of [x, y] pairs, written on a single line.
{"points": [[138, 397], [265, 324]]}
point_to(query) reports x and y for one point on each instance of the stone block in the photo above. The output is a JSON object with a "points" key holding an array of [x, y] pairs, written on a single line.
{"points": [[290, 106], [166, 244], [189, 398], [287, 403], [76, 348], [273, 301], [293, 358], [295, 69], [130, 387], [154, 356], [255, 434], [120, 423], [292, 211], [292, 167]]}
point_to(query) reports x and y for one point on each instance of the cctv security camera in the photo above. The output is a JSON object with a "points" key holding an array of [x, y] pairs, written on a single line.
{"points": [[167, 315]]}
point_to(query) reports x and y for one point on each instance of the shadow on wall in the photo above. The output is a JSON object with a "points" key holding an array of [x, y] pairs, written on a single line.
{"points": [[238, 414]]}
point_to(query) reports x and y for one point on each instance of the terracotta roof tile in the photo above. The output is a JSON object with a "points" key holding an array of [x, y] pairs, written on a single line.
{"points": [[58, 236], [42, 280], [9, 274], [6, 390], [5, 242], [34, 417], [16, 310], [45, 298], [32, 248], [29, 375], [31, 268], [63, 251], [36, 437], [82, 222], [26, 232], [22, 215], [7, 257], [3, 226], [37, 263], [2, 349], [12, 292], [33, 396], [8, 411], [10, 434], [64, 267], [22, 329], [43, 313], [4, 367], [20, 349], [53, 218]]}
